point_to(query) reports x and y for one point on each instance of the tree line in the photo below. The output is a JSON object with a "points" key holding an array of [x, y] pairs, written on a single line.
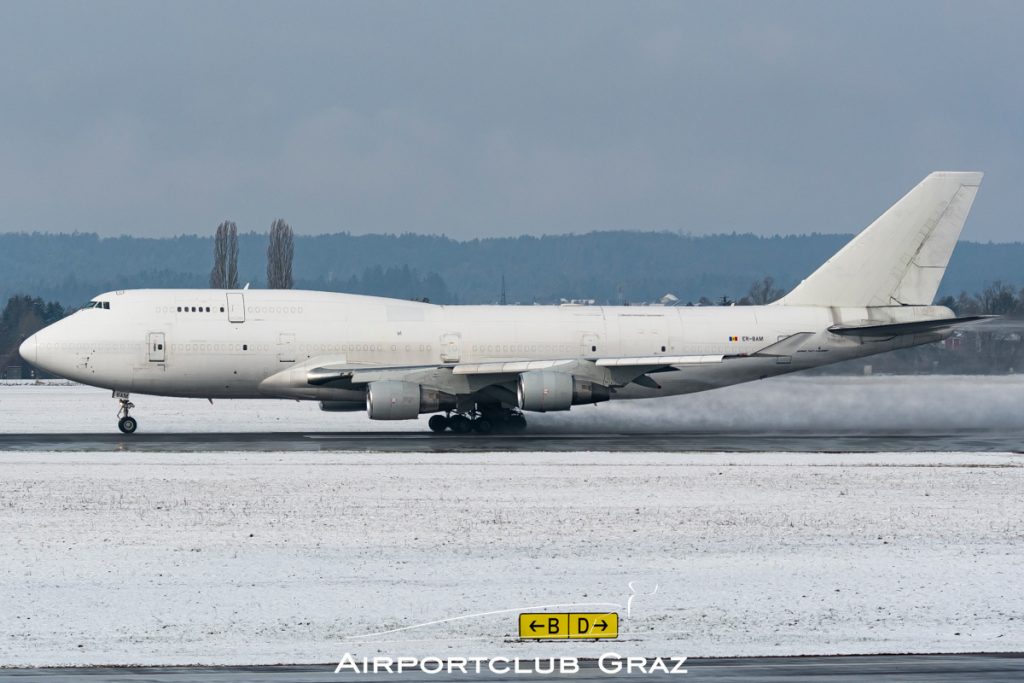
{"points": [[609, 267], [22, 317]]}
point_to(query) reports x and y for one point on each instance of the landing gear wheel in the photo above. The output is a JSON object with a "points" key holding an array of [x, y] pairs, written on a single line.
{"points": [[125, 422], [516, 423], [127, 425], [438, 423], [483, 426], [460, 424]]}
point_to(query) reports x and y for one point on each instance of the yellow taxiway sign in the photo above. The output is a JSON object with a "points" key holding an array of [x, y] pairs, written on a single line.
{"points": [[565, 626]]}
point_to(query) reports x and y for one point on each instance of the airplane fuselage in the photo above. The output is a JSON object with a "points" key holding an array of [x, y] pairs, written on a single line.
{"points": [[224, 344]]}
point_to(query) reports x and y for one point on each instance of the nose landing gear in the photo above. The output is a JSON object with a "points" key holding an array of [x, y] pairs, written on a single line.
{"points": [[126, 423]]}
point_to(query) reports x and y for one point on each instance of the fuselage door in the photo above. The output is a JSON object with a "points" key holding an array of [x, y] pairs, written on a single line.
{"points": [[451, 347], [156, 347], [589, 345], [286, 347], [236, 307]]}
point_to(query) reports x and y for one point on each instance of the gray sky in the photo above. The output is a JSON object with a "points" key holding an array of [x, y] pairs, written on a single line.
{"points": [[479, 119]]}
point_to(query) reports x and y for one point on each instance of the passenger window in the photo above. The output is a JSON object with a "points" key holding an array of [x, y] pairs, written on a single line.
{"points": [[245, 347], [179, 309], [221, 309], [193, 309], [207, 309]]}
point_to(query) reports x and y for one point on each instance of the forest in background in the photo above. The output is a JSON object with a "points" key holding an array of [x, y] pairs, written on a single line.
{"points": [[608, 267], [45, 276]]}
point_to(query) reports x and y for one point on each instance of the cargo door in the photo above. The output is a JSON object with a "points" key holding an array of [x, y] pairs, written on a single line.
{"points": [[155, 341], [286, 348], [236, 307], [451, 347]]}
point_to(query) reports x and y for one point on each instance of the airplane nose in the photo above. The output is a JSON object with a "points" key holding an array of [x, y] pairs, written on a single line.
{"points": [[29, 349]]}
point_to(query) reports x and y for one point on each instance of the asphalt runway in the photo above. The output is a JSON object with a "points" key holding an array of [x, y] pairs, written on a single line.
{"points": [[963, 667], [405, 442]]}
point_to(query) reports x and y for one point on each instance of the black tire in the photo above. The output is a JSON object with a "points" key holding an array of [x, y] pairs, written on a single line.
{"points": [[438, 423], [483, 426], [516, 423], [127, 425], [460, 424]]}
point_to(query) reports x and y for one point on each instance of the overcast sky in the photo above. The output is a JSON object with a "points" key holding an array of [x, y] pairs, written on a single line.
{"points": [[479, 119]]}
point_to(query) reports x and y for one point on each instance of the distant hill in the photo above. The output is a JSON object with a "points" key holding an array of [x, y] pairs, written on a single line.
{"points": [[607, 266]]}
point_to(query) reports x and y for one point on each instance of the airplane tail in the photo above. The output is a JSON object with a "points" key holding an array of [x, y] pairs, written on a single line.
{"points": [[899, 259]]}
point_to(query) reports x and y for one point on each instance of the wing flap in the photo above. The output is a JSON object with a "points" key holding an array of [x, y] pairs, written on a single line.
{"points": [[656, 361], [786, 346], [503, 367]]}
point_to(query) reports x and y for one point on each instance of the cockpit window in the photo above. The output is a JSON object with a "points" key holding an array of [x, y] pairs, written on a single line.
{"points": [[97, 304]]}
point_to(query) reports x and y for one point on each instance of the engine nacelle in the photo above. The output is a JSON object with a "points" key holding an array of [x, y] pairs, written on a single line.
{"points": [[396, 400], [543, 391], [342, 406], [585, 391]]}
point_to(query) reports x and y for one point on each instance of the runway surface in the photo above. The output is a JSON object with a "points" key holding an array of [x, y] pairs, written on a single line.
{"points": [[965, 667], [407, 442]]}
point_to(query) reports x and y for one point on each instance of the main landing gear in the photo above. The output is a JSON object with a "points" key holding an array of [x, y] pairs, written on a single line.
{"points": [[480, 421], [126, 423]]}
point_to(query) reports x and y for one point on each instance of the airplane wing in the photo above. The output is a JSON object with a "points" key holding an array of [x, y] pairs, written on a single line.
{"points": [[465, 378], [621, 369]]}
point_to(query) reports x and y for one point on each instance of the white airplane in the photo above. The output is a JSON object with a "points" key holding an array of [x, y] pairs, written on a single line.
{"points": [[480, 367]]}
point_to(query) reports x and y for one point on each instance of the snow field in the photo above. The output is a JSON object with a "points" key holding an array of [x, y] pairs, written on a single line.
{"points": [[251, 558]]}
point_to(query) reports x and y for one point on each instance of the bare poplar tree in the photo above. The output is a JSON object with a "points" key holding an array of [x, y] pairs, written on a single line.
{"points": [[764, 291], [279, 256], [232, 261], [218, 275]]}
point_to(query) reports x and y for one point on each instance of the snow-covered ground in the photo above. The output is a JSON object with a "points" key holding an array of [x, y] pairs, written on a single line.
{"points": [[797, 403], [293, 557]]}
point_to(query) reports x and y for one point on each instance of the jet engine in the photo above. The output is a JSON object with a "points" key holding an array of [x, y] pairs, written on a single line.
{"points": [[396, 400], [542, 391]]}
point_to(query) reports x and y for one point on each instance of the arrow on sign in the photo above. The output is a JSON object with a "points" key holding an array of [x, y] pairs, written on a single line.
{"points": [[602, 624], [534, 625]]}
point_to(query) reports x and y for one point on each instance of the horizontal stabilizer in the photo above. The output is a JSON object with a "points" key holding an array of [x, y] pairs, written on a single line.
{"points": [[897, 329]]}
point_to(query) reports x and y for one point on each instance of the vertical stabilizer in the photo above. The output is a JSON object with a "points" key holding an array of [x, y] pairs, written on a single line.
{"points": [[899, 259]]}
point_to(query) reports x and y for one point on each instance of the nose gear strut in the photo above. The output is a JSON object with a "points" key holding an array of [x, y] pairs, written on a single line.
{"points": [[126, 423]]}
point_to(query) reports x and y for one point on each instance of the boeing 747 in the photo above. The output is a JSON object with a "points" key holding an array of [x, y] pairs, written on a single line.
{"points": [[479, 368]]}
